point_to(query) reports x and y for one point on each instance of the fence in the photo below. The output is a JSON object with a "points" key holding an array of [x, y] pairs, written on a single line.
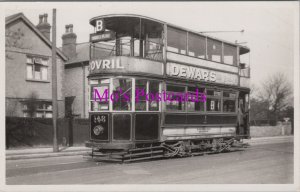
{"points": [[269, 131], [21, 132]]}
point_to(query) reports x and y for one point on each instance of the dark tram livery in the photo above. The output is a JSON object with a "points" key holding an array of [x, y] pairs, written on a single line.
{"points": [[130, 53]]}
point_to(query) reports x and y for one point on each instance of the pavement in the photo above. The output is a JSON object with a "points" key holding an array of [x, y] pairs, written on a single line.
{"points": [[44, 152]]}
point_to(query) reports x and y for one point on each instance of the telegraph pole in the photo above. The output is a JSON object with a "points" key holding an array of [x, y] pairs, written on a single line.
{"points": [[54, 82]]}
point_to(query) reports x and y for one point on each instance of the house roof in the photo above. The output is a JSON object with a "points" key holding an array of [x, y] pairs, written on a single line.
{"points": [[12, 18]]}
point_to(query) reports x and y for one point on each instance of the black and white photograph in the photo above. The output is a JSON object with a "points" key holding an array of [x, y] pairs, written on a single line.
{"points": [[150, 96]]}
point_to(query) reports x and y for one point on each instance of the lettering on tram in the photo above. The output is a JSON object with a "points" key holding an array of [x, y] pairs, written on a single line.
{"points": [[157, 90], [105, 64], [192, 73], [100, 25]]}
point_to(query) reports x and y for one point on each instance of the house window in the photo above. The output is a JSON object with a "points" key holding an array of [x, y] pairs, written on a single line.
{"points": [[37, 68], [40, 109]]}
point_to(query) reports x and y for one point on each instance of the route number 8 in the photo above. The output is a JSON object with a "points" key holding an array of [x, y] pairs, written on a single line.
{"points": [[99, 25]]}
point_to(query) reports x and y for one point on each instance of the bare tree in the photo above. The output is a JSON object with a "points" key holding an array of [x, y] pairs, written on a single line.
{"points": [[276, 91]]}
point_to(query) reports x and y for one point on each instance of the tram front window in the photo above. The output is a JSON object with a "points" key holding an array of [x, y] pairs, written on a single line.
{"points": [[121, 96], [146, 93], [140, 92], [99, 95], [153, 100]]}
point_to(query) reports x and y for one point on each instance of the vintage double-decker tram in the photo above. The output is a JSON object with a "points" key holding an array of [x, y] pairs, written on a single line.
{"points": [[135, 62]]}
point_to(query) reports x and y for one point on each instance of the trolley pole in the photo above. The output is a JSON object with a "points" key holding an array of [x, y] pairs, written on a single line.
{"points": [[54, 82]]}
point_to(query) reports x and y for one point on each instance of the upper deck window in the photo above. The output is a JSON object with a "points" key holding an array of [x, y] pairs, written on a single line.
{"points": [[177, 40], [196, 46], [214, 50], [230, 54]]}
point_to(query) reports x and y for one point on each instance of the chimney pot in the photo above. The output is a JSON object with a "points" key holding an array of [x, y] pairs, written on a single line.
{"points": [[69, 42], [41, 18], [45, 18], [43, 26]]}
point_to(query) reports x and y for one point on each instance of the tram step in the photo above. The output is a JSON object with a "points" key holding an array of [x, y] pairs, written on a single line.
{"points": [[143, 158], [147, 148], [143, 153]]}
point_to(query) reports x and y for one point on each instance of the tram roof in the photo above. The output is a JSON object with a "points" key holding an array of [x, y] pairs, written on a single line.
{"points": [[114, 19]]}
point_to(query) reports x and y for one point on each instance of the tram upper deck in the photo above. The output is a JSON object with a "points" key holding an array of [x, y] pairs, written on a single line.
{"points": [[135, 44]]}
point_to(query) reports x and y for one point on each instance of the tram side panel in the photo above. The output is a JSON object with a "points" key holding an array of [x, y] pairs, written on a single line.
{"points": [[195, 126]]}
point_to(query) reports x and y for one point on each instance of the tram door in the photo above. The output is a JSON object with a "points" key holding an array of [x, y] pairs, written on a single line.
{"points": [[243, 114]]}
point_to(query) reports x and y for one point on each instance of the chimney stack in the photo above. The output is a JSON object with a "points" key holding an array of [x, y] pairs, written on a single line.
{"points": [[43, 26], [69, 42]]}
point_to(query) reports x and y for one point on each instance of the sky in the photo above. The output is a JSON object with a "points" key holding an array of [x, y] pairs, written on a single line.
{"points": [[270, 27]]}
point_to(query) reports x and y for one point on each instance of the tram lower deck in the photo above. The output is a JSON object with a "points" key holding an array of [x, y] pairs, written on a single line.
{"points": [[129, 113]]}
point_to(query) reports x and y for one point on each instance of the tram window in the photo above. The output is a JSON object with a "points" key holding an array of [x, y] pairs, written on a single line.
{"points": [[99, 97], [230, 54], [176, 40], [213, 100], [228, 105], [213, 104], [124, 46], [229, 102], [197, 46], [175, 98], [214, 50], [194, 104], [94, 82], [213, 93], [230, 95], [102, 81], [153, 93], [140, 95], [121, 97]]}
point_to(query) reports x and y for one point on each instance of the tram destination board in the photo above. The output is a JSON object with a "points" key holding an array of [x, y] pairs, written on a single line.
{"points": [[103, 36]]}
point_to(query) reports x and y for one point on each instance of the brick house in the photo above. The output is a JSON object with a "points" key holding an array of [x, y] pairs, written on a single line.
{"points": [[28, 60]]}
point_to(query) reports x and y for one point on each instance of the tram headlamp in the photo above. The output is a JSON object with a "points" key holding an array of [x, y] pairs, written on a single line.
{"points": [[98, 130]]}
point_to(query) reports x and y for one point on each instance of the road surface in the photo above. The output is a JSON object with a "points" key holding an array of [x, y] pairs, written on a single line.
{"points": [[259, 164]]}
